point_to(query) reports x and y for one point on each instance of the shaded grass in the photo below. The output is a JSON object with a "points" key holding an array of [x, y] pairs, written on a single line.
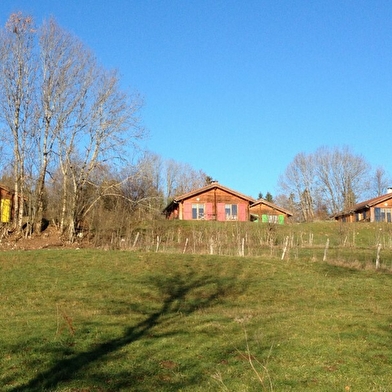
{"points": [[118, 321]]}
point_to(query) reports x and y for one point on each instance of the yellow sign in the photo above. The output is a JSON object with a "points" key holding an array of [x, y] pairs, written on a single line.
{"points": [[5, 208]]}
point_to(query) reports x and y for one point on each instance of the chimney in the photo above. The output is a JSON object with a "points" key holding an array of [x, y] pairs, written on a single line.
{"points": [[389, 190]]}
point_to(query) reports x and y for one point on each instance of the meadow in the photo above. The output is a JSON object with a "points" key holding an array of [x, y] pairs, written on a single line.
{"points": [[168, 318]]}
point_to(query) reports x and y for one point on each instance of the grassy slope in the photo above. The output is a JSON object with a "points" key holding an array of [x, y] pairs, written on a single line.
{"points": [[118, 321], [306, 241]]}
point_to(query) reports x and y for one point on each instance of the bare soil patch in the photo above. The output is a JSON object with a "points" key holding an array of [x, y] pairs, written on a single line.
{"points": [[50, 238]]}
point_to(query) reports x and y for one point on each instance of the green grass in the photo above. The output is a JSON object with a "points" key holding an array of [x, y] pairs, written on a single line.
{"points": [[86, 320], [306, 240]]}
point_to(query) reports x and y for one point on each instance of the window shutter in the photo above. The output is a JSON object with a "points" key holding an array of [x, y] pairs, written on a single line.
{"points": [[242, 212], [209, 213], [187, 211], [221, 212]]}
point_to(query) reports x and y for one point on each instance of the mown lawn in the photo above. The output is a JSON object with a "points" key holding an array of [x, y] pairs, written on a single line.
{"points": [[87, 320]]}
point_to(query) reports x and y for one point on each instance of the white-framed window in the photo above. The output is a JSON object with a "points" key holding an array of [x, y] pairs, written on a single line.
{"points": [[198, 211], [383, 214], [231, 211]]}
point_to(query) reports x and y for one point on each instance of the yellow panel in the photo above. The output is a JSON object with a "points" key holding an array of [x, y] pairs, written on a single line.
{"points": [[5, 210]]}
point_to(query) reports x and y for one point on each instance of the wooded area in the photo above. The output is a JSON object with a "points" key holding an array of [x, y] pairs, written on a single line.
{"points": [[328, 181], [69, 136]]}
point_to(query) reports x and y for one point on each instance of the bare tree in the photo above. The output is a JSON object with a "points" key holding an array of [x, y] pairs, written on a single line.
{"points": [[65, 76], [342, 177], [143, 186], [17, 77], [107, 125], [381, 182], [180, 178], [299, 181], [330, 180], [153, 182]]}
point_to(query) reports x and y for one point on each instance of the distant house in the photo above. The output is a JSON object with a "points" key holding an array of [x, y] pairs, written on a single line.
{"points": [[211, 202], [267, 212], [217, 202], [378, 209]]}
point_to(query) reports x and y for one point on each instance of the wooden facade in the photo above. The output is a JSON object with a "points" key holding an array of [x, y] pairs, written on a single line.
{"points": [[267, 212], [212, 202], [378, 209]]}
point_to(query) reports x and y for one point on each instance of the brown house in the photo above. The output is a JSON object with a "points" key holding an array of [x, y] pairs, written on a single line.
{"points": [[267, 212], [378, 209], [217, 202], [212, 202]]}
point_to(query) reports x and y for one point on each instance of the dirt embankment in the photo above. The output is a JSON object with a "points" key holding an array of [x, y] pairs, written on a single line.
{"points": [[49, 239]]}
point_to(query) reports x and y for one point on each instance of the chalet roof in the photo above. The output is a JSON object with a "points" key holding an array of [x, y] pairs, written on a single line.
{"points": [[212, 185], [366, 204], [272, 205], [372, 202], [6, 188]]}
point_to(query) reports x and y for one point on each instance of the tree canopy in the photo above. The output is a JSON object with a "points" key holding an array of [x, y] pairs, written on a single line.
{"points": [[62, 113], [328, 181]]}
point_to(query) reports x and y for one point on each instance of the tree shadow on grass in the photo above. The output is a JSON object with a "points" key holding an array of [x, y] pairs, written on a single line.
{"points": [[180, 292]]}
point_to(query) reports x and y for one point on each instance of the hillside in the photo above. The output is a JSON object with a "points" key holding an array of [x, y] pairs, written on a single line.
{"points": [[90, 320]]}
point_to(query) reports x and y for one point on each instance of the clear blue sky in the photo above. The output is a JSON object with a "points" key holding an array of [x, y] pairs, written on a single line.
{"points": [[238, 88]]}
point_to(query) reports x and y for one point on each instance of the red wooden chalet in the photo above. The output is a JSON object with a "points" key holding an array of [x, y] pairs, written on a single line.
{"points": [[211, 202]]}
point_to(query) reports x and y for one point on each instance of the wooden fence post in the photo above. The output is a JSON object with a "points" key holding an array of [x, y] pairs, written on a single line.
{"points": [[325, 250], [211, 246], [136, 238], [285, 247], [186, 244], [378, 256], [242, 250]]}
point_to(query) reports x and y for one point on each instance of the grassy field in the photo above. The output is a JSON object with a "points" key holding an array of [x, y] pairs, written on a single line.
{"points": [[89, 320]]}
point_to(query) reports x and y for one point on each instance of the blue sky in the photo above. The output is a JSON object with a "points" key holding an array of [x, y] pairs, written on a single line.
{"points": [[238, 88]]}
